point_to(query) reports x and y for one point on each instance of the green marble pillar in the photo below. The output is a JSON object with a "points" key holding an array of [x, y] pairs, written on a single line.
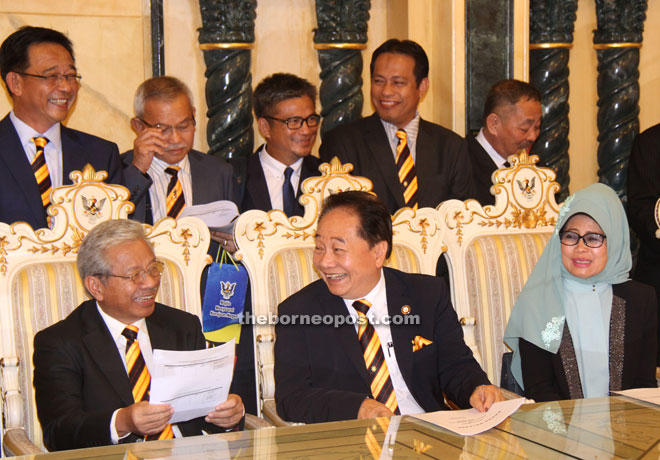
{"points": [[551, 37], [226, 38], [617, 41], [339, 38]]}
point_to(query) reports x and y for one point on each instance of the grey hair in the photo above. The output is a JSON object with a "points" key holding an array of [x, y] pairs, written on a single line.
{"points": [[92, 258], [159, 88]]}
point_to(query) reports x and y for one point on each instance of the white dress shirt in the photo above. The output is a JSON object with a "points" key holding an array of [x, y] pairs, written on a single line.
{"points": [[274, 173], [492, 153], [411, 130], [161, 179], [52, 151], [378, 310], [116, 328]]}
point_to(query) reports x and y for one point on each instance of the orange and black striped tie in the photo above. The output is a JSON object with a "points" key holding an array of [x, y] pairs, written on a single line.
{"points": [[40, 170], [138, 376], [175, 201], [406, 168], [381, 383]]}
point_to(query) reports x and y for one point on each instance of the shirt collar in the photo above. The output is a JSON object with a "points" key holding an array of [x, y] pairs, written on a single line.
{"points": [[376, 296], [276, 167], [159, 165], [411, 128], [492, 153], [116, 327], [27, 132]]}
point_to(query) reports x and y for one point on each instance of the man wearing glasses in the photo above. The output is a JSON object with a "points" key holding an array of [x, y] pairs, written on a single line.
{"points": [[37, 152], [163, 171], [285, 108], [92, 369]]}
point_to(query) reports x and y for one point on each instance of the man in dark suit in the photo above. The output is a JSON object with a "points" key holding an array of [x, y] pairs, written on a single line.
{"points": [[393, 343], [39, 70], [285, 108], [165, 125], [643, 193], [512, 120], [82, 364], [379, 146]]}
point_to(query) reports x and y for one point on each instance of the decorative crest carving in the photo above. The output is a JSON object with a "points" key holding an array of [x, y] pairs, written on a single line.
{"points": [[227, 21], [620, 21], [552, 21], [342, 21]]}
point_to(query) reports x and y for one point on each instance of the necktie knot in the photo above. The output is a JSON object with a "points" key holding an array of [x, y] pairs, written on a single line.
{"points": [[287, 173], [401, 135], [173, 170], [362, 306], [40, 142], [130, 332]]}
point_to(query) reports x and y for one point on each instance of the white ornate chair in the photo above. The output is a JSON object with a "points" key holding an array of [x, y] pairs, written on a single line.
{"points": [[39, 284], [491, 251], [277, 253]]}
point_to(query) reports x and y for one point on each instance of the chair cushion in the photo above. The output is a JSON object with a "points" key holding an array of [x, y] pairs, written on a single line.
{"points": [[497, 267]]}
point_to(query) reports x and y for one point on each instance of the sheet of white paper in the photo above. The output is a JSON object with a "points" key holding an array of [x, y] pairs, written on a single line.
{"points": [[470, 421], [192, 382], [218, 215], [651, 395]]}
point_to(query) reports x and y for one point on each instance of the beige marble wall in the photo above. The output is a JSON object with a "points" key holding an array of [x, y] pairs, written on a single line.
{"points": [[109, 43]]}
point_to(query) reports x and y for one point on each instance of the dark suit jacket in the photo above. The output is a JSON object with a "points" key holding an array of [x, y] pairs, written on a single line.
{"points": [[211, 181], [551, 377], [80, 380], [253, 189], [20, 199], [483, 168], [442, 163], [320, 374], [643, 192]]}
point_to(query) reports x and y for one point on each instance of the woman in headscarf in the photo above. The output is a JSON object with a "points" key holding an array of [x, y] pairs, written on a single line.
{"points": [[580, 327]]}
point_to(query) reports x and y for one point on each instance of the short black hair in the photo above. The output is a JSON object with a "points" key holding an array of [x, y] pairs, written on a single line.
{"points": [[409, 48], [509, 92], [279, 87], [14, 50], [375, 220]]}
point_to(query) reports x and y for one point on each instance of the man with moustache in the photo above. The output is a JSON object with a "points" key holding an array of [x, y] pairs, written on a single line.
{"points": [[512, 120], [37, 152], [163, 172], [373, 363], [92, 370], [410, 161], [285, 108]]}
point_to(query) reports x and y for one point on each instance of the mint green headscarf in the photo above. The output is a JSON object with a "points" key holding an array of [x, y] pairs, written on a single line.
{"points": [[538, 315]]}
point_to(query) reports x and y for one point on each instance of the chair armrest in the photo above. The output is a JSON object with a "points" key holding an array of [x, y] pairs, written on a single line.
{"points": [[252, 422], [269, 412], [16, 442]]}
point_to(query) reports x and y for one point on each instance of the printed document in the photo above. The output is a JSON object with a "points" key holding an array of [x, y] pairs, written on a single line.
{"points": [[469, 422], [192, 382], [651, 395]]}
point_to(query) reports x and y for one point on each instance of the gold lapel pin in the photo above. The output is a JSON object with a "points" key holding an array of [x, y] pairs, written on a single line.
{"points": [[405, 309]]}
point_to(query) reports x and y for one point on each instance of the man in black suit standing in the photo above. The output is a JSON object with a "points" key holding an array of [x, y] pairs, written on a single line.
{"points": [[512, 120], [37, 152], [163, 171], [643, 194], [410, 161], [393, 344], [285, 108], [86, 366]]}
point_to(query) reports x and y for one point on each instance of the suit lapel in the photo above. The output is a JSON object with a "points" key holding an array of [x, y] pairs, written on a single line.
{"points": [[102, 348], [381, 153], [73, 157], [197, 174], [16, 163], [402, 337], [426, 160], [309, 168], [256, 183], [160, 335], [346, 334]]}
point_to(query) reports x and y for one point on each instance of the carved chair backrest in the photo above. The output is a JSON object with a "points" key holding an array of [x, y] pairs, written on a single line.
{"points": [[39, 283], [491, 250]]}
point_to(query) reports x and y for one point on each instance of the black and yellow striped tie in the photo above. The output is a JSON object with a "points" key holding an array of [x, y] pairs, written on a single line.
{"points": [[138, 376], [406, 170], [40, 170], [175, 201], [381, 383]]}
